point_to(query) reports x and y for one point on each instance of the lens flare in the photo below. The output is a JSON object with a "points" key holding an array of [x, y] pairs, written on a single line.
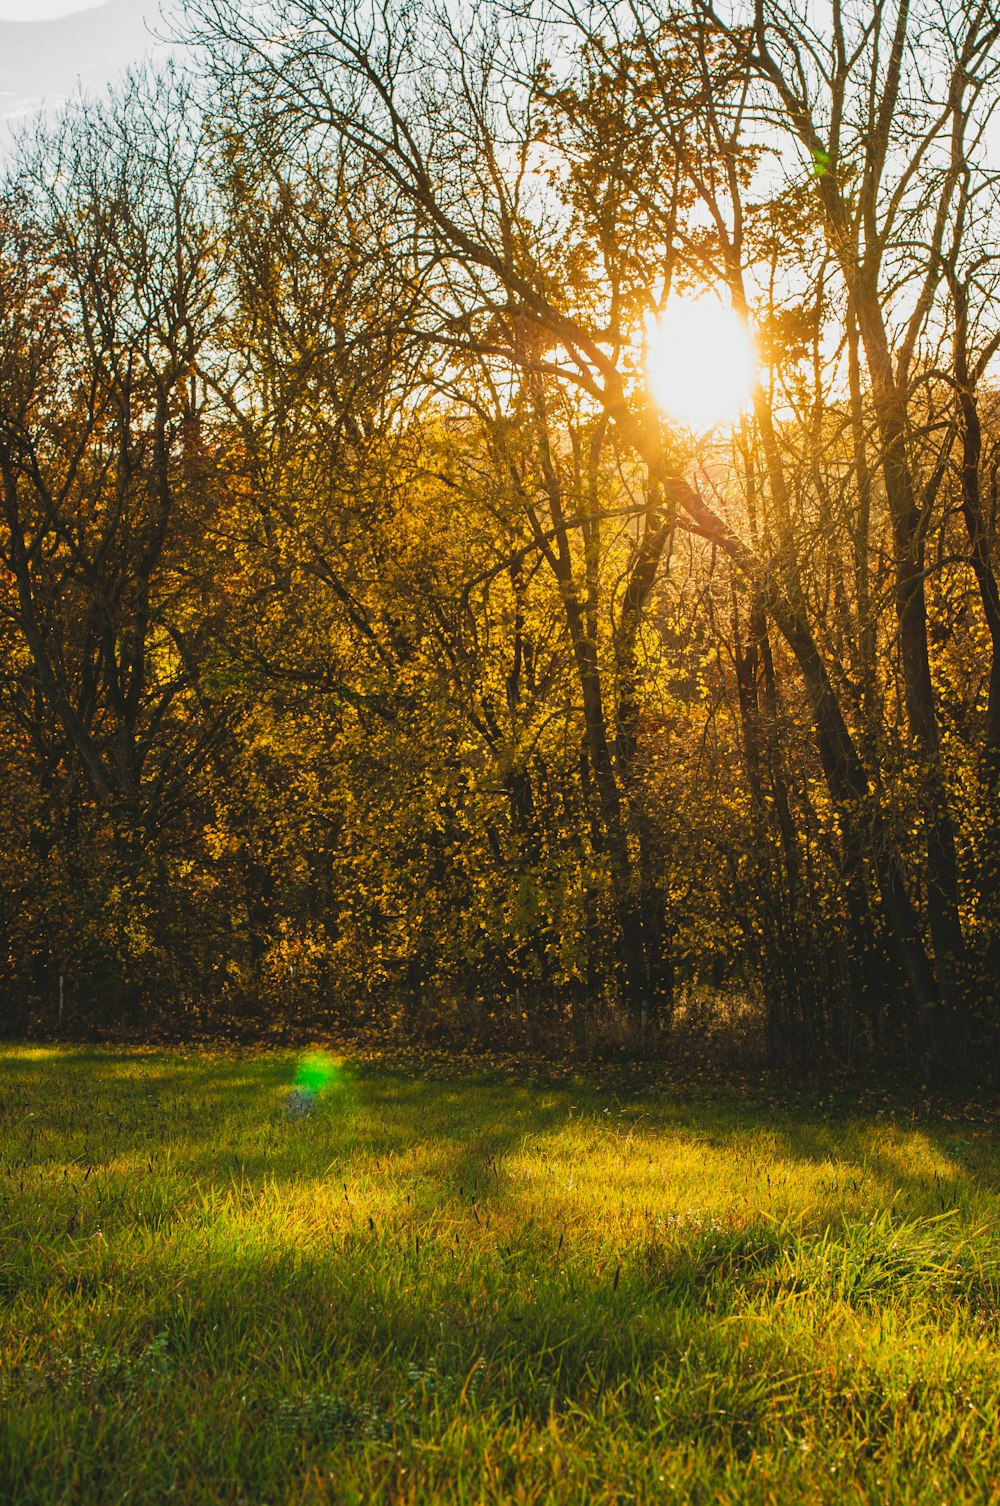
{"points": [[315, 1074]]}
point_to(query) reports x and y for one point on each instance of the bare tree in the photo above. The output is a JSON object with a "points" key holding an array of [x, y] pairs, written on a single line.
{"points": [[108, 306]]}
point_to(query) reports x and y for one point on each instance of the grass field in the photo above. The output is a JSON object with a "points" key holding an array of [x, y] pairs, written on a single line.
{"points": [[478, 1288]]}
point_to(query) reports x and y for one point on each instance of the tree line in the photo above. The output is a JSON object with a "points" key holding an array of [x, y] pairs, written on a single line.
{"points": [[370, 642]]}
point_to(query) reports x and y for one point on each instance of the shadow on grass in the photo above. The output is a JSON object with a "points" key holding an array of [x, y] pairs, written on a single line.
{"points": [[449, 1281], [373, 1340], [225, 1117]]}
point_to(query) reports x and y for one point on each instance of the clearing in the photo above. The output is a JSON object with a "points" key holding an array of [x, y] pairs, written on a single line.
{"points": [[459, 1288]]}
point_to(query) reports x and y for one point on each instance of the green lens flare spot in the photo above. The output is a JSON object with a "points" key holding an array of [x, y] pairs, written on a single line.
{"points": [[316, 1072]]}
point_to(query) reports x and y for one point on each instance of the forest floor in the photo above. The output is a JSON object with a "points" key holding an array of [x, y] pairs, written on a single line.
{"points": [[478, 1286]]}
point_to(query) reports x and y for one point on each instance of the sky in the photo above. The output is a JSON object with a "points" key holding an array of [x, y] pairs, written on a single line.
{"points": [[50, 47]]}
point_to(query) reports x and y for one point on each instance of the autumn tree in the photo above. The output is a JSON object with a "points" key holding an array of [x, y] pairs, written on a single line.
{"points": [[107, 311], [570, 209]]}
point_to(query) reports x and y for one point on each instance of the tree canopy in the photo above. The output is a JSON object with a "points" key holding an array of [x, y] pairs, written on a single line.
{"points": [[373, 642]]}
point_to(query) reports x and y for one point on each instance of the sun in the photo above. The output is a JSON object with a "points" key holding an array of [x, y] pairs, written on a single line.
{"points": [[701, 362]]}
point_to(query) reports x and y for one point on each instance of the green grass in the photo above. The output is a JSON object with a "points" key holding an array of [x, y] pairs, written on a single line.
{"points": [[470, 1289]]}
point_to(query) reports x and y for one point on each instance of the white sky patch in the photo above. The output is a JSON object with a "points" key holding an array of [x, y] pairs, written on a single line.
{"points": [[52, 49], [44, 10]]}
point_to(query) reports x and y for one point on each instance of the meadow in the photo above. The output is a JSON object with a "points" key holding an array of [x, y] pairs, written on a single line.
{"points": [[480, 1285]]}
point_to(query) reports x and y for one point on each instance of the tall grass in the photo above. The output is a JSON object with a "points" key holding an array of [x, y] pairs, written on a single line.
{"points": [[478, 1289]]}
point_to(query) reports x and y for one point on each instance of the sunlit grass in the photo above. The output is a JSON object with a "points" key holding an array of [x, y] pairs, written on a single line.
{"points": [[481, 1289]]}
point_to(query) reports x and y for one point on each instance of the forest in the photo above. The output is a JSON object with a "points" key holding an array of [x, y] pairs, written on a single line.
{"points": [[376, 647]]}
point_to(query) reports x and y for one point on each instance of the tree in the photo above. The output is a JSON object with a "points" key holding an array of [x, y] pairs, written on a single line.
{"points": [[530, 193], [107, 311]]}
